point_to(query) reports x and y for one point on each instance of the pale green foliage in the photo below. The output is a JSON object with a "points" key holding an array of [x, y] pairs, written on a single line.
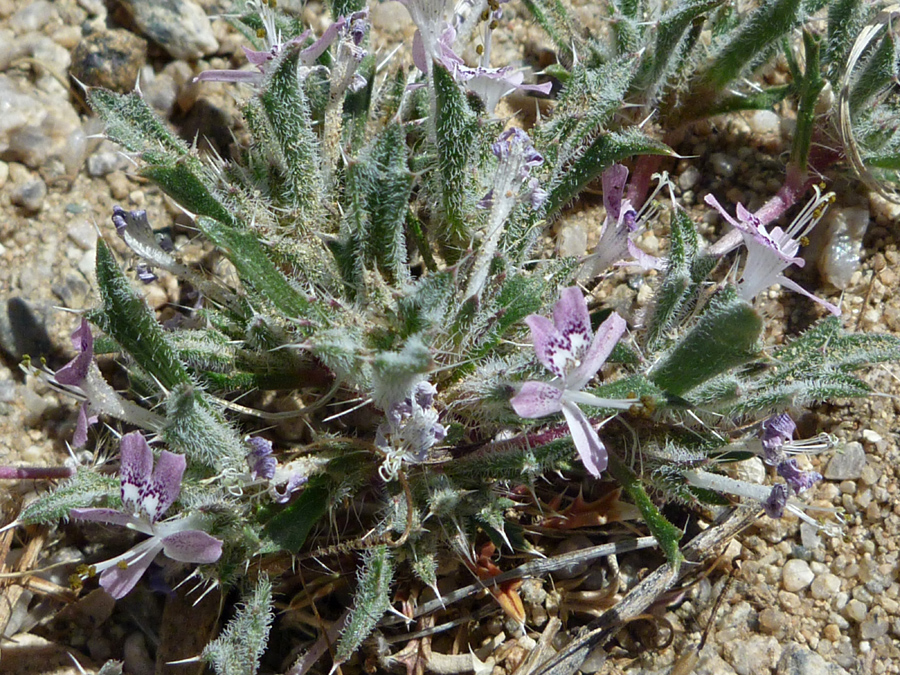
{"points": [[241, 644], [361, 229]]}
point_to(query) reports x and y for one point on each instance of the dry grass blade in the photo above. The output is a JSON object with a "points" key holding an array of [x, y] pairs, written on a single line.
{"points": [[702, 547]]}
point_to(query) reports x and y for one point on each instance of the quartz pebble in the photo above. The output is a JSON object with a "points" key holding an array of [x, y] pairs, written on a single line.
{"points": [[722, 164], [796, 575], [32, 17], [825, 586], [689, 178], [848, 464], [855, 611], [844, 230], [181, 27]]}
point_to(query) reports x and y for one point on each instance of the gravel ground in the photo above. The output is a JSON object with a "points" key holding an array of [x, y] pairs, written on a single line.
{"points": [[802, 602]]}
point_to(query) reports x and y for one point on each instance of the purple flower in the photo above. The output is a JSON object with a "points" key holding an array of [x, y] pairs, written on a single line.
{"points": [[489, 84], [262, 463], [568, 349], [620, 226], [777, 501], [76, 370], [81, 373], [263, 59], [798, 480], [769, 253], [147, 493], [410, 429], [776, 431]]}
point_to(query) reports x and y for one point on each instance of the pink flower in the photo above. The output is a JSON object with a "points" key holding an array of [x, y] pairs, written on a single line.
{"points": [[568, 349], [620, 226], [147, 493], [769, 253]]}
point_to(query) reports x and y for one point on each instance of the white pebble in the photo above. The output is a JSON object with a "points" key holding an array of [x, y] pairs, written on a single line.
{"points": [[825, 586], [796, 575], [839, 258]]}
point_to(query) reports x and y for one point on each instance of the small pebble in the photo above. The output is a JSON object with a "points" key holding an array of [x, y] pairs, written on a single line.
{"points": [[825, 586], [722, 164], [844, 231], [847, 464], [796, 575], [798, 660], [30, 196], [689, 178], [855, 611], [32, 17]]}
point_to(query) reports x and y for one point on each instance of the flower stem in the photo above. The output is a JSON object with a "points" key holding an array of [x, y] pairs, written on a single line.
{"points": [[35, 472]]}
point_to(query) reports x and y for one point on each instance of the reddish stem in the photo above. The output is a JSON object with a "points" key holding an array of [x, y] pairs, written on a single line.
{"points": [[35, 472]]}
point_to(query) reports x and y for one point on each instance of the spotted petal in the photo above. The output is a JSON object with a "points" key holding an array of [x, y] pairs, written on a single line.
{"points": [[537, 399], [192, 546], [135, 470], [553, 350], [572, 320], [590, 448], [605, 339], [164, 486]]}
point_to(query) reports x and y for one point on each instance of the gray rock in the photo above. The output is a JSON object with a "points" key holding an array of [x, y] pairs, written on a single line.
{"points": [[798, 660], [109, 58], [104, 163], [848, 464], [30, 196], [181, 27]]}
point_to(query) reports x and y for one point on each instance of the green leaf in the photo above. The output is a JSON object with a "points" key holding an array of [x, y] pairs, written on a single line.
{"points": [[763, 28], [84, 489], [130, 322], [607, 149], [290, 528], [290, 142], [262, 279], [370, 602], [657, 63], [755, 100], [725, 336], [666, 534], [131, 123], [454, 127], [182, 184], [241, 644], [877, 73], [671, 295]]}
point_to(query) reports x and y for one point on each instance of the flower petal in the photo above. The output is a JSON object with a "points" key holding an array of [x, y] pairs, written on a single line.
{"points": [[552, 350], [135, 469], [537, 399], [164, 486], [613, 179], [110, 517], [590, 448], [570, 315], [192, 546], [76, 370], [797, 288], [80, 437], [117, 581], [605, 339]]}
